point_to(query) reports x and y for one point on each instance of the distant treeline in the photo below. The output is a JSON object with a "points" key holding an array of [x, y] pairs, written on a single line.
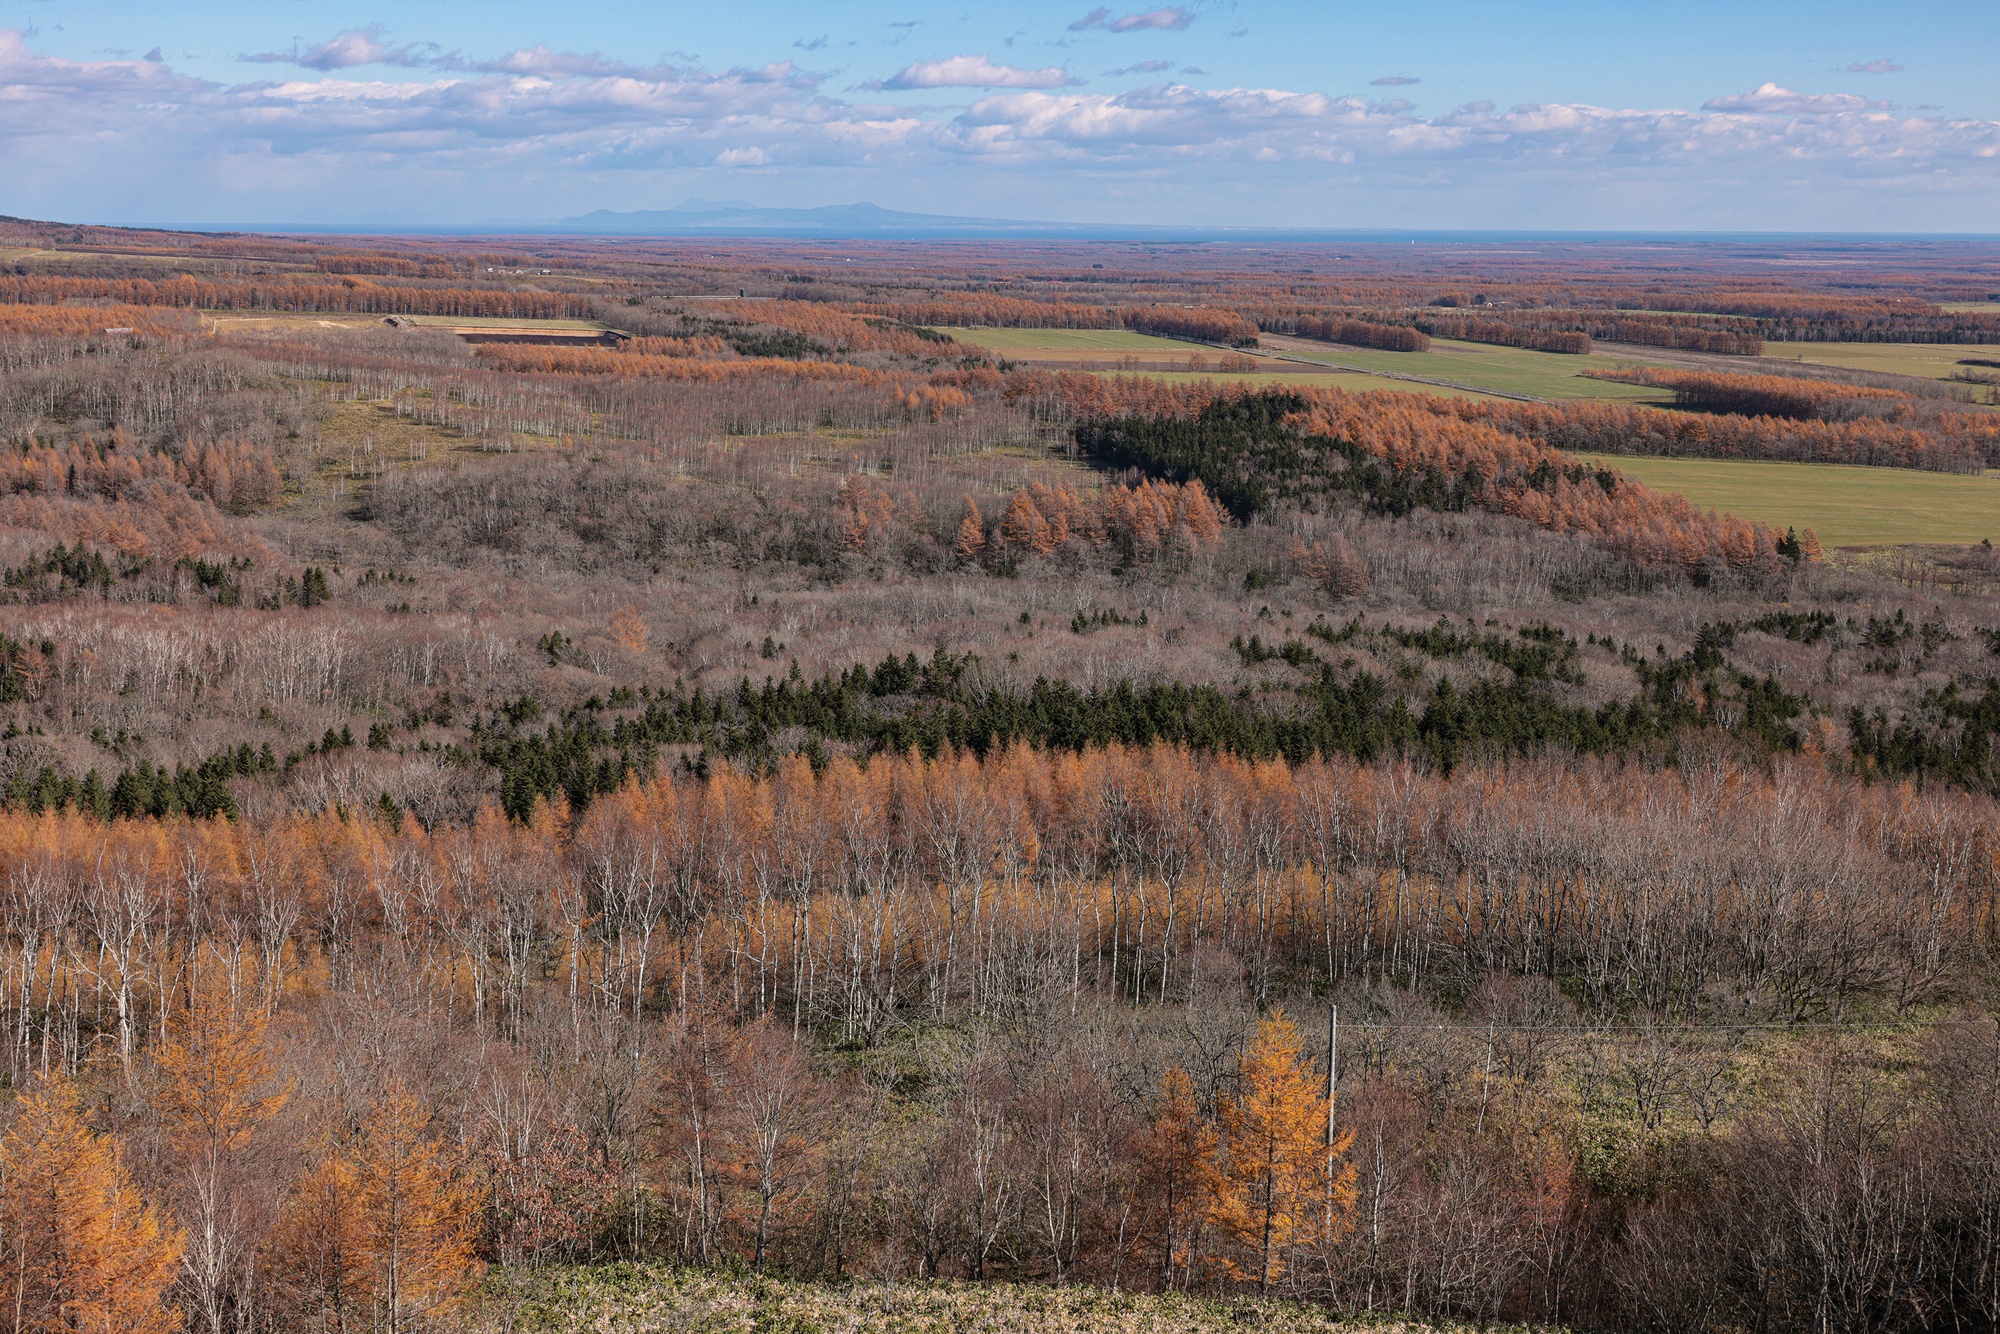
{"points": [[392, 266], [1362, 333], [1202, 322], [1755, 395], [352, 296], [1506, 333]]}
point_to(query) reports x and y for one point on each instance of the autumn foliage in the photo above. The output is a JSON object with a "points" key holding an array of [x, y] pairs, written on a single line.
{"points": [[79, 1247], [1361, 333], [534, 913], [689, 944], [352, 294], [1752, 395], [1506, 333], [1287, 1183], [1206, 324]]}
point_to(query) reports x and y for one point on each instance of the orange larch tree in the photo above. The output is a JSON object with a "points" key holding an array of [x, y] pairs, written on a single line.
{"points": [[316, 1262], [1284, 1184], [79, 1250], [214, 1089], [419, 1213], [1178, 1183]]}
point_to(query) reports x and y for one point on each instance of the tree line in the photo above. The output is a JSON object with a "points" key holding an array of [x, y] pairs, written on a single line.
{"points": [[355, 295]]}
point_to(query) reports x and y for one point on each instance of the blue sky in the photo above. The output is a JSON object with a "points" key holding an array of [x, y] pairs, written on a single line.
{"points": [[1431, 114]]}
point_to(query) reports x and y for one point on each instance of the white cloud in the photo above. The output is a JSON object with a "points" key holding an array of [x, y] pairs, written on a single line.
{"points": [[364, 46], [356, 46], [970, 72], [1173, 19], [1875, 67], [131, 138], [1143, 67], [1393, 81], [538, 61], [1770, 97]]}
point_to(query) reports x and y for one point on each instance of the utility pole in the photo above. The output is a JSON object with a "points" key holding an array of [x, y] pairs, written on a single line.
{"points": [[1332, 1065]]}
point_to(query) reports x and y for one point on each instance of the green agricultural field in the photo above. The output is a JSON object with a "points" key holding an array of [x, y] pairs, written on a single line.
{"points": [[1280, 374], [1511, 370], [1079, 346], [1933, 361], [1845, 505], [1072, 344], [1473, 365], [642, 1299]]}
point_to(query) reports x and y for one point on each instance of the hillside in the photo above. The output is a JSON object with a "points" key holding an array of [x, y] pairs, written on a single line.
{"points": [[787, 786]]}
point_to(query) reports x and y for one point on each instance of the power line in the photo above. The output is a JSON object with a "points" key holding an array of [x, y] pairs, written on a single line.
{"points": [[1852, 1025]]}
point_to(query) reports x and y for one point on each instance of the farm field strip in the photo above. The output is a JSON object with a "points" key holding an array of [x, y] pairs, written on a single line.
{"points": [[1051, 347], [1354, 382], [1397, 377], [1845, 505], [1071, 344], [1509, 370], [1931, 361]]}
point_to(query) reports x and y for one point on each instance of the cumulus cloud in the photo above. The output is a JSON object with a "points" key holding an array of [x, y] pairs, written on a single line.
{"points": [[538, 61], [563, 119], [1173, 19], [1393, 81], [29, 79], [1143, 67], [364, 46], [969, 72], [1875, 67], [356, 46], [1770, 97]]}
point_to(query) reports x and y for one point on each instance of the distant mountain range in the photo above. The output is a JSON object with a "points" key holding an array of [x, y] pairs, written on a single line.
{"points": [[735, 215]]}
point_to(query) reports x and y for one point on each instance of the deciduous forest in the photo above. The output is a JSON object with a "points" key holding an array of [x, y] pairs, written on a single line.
{"points": [[763, 759]]}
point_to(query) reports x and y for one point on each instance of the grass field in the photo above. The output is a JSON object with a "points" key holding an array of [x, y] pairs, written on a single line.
{"points": [[1073, 344], [1303, 375], [1980, 307], [1511, 370], [1845, 506], [641, 1299], [1101, 345], [1477, 365], [1933, 361]]}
